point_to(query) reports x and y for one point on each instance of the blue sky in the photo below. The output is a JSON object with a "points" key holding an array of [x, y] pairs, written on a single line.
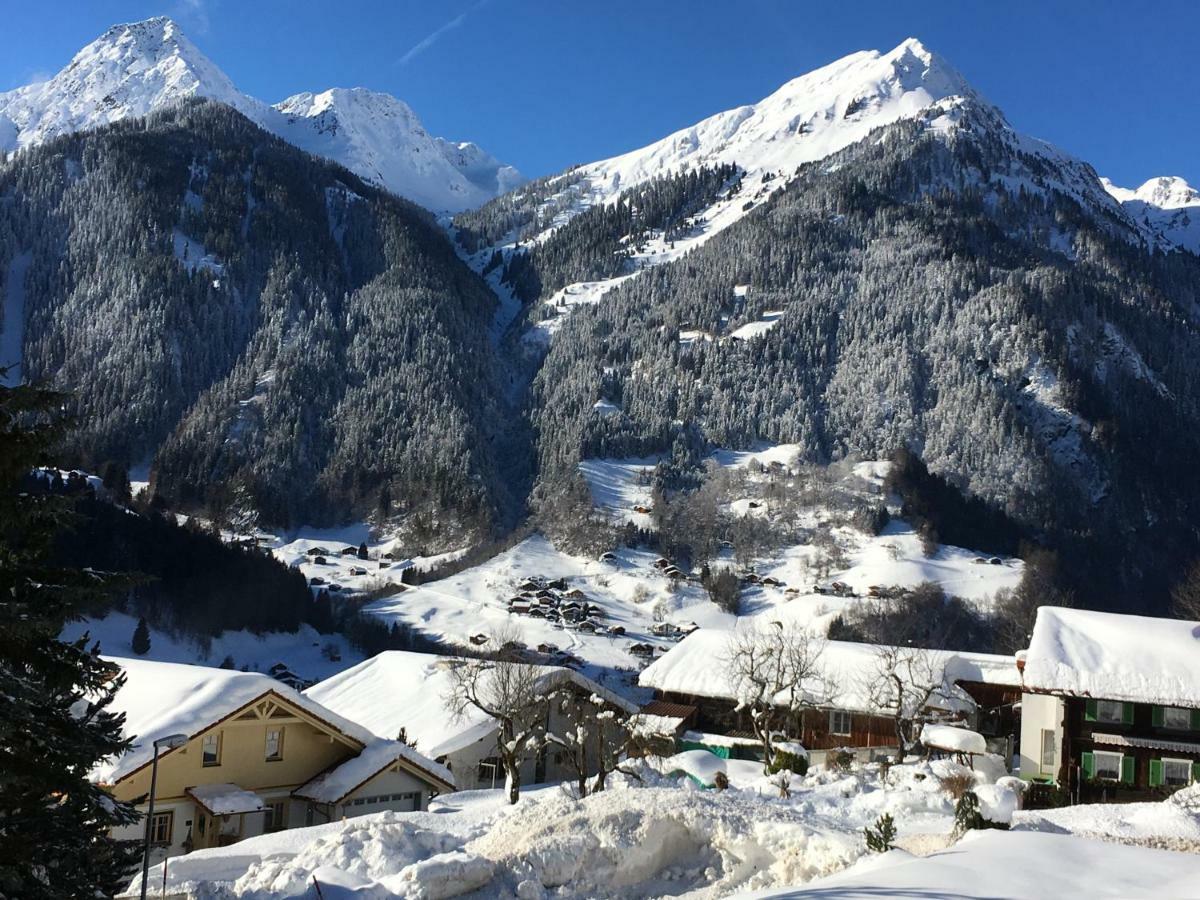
{"points": [[544, 84]]}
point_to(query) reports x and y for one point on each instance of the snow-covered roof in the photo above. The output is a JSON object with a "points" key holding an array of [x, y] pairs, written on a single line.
{"points": [[160, 699], [1115, 657], [949, 737], [401, 690], [695, 667], [226, 799], [334, 785]]}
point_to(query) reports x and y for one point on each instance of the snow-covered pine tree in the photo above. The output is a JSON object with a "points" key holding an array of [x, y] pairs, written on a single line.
{"points": [[54, 724]]}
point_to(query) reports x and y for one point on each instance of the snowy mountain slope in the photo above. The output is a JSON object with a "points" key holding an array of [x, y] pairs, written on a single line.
{"points": [[1168, 206], [808, 119], [135, 68]]}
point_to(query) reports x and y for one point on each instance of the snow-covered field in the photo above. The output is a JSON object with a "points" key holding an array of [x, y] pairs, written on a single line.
{"points": [[659, 835], [304, 653]]}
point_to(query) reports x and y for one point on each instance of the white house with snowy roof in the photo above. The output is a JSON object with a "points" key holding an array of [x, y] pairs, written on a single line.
{"points": [[695, 679], [254, 756], [1111, 703], [401, 693]]}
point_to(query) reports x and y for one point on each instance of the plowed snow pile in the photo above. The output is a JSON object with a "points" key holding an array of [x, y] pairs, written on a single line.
{"points": [[660, 840]]}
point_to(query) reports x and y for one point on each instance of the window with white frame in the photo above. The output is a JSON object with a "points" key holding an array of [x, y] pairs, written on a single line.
{"points": [[1177, 771], [274, 748], [1176, 718], [839, 722], [211, 749], [1107, 765], [1110, 711], [1047, 750]]}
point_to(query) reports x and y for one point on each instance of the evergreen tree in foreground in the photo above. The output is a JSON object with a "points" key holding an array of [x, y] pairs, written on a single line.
{"points": [[54, 722]]}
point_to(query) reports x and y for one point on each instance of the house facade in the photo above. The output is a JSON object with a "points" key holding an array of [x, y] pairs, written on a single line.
{"points": [[843, 713], [1111, 705], [401, 693], [252, 746]]}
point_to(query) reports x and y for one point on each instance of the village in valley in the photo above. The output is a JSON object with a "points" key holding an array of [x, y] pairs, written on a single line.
{"points": [[556, 688]]}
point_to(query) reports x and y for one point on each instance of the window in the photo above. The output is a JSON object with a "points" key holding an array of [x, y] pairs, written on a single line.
{"points": [[274, 816], [1047, 750], [839, 721], [160, 827], [201, 824], [274, 751], [1176, 718], [1177, 771], [212, 749], [1110, 711], [1108, 765]]}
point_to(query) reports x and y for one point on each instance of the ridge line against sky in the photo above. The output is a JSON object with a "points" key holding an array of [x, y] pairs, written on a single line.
{"points": [[543, 84]]}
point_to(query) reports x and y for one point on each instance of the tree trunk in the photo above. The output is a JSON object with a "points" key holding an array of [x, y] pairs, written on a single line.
{"points": [[512, 777]]}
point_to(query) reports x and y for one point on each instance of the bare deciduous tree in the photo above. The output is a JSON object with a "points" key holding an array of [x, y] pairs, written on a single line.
{"points": [[775, 673], [910, 685], [509, 692], [595, 736]]}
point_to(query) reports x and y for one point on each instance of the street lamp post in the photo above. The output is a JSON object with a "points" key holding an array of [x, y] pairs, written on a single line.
{"points": [[171, 741]]}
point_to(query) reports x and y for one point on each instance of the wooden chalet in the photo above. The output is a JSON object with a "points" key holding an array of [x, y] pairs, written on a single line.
{"points": [[1110, 709]]}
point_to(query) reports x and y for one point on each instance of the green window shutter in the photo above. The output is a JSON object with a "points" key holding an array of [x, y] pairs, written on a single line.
{"points": [[1156, 716], [1196, 771], [1196, 720], [1127, 713], [1089, 765], [1156, 772], [1127, 769], [1089, 711]]}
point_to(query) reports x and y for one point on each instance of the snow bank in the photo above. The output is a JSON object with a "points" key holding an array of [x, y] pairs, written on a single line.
{"points": [[444, 875], [370, 848], [700, 765], [998, 802], [654, 840], [990, 864]]}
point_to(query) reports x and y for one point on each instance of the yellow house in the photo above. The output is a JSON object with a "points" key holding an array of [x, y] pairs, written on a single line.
{"points": [[258, 757]]}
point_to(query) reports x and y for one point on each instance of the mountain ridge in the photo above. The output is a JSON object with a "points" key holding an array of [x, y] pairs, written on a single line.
{"points": [[135, 68]]}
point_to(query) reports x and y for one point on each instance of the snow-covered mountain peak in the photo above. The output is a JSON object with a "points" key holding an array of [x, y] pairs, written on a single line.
{"points": [[127, 72], [1167, 207], [133, 69], [345, 100], [1168, 192]]}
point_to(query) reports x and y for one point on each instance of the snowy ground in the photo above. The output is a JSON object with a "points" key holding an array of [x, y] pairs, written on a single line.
{"points": [[986, 865], [304, 653], [662, 836]]}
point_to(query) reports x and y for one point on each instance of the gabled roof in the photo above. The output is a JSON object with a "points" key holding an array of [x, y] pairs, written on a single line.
{"points": [[336, 784], [399, 690], [159, 699], [1138, 659], [695, 667]]}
